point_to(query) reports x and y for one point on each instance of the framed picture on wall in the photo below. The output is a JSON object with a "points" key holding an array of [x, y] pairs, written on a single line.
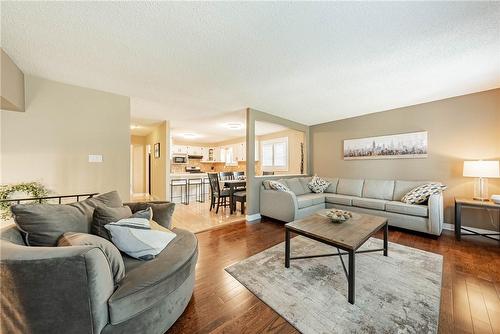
{"points": [[401, 146], [157, 150]]}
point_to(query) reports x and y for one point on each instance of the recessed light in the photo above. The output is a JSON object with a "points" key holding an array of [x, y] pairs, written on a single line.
{"points": [[234, 126]]}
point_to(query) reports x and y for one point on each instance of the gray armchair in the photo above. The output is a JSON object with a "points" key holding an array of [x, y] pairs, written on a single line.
{"points": [[71, 289]]}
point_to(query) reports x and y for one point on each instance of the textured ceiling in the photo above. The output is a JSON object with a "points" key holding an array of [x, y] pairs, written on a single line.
{"points": [[307, 61]]}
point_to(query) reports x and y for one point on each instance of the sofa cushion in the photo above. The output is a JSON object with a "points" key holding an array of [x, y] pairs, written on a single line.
{"points": [[369, 203], [310, 199], [379, 189], [305, 183], [44, 224], [148, 282], [112, 253], [351, 187], [332, 187], [296, 187], [401, 188], [407, 209], [339, 199]]}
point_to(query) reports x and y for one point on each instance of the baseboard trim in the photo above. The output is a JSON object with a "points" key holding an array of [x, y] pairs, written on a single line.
{"points": [[451, 227], [253, 217]]}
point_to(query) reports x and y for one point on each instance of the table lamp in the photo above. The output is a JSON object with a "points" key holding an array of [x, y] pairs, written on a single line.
{"points": [[481, 170]]}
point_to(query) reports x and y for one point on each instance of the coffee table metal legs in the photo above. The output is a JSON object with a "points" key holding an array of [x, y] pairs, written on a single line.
{"points": [[351, 270], [287, 248], [351, 288], [386, 237]]}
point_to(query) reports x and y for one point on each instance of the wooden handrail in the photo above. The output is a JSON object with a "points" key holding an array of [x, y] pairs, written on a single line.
{"points": [[40, 199]]}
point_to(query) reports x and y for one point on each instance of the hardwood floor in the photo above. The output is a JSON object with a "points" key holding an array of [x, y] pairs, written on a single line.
{"points": [[197, 217], [470, 297]]}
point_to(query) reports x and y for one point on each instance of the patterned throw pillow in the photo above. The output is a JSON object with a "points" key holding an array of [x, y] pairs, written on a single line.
{"points": [[422, 193], [278, 186], [139, 238], [318, 185]]}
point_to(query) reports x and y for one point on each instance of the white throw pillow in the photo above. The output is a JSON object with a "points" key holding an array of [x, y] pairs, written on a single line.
{"points": [[278, 186], [318, 185], [139, 238], [422, 193]]}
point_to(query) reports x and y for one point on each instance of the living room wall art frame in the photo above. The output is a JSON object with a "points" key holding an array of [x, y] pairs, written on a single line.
{"points": [[411, 145]]}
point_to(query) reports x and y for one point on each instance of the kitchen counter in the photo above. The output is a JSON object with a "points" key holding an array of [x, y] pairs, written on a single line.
{"points": [[187, 175]]}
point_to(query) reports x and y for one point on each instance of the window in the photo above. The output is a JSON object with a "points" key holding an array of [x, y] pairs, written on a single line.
{"points": [[275, 153]]}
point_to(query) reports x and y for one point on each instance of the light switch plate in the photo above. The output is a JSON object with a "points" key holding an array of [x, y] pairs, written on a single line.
{"points": [[95, 158]]}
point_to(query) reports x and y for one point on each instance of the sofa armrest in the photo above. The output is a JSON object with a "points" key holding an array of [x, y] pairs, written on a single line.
{"points": [[436, 214], [281, 205], [54, 289]]}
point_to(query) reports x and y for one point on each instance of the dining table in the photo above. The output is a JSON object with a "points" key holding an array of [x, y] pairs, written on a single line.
{"points": [[233, 186]]}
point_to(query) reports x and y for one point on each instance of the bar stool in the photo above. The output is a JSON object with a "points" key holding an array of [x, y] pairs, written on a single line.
{"points": [[199, 192], [183, 185], [206, 185]]}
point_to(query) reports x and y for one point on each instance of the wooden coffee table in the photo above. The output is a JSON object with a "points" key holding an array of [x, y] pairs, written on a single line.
{"points": [[347, 236]]}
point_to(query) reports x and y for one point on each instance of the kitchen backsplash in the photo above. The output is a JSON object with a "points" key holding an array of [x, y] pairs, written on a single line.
{"points": [[212, 167]]}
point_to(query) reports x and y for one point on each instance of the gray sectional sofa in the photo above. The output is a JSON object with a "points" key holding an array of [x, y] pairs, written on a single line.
{"points": [[377, 197]]}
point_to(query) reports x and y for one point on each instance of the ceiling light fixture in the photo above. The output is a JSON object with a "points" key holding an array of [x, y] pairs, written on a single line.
{"points": [[234, 126]]}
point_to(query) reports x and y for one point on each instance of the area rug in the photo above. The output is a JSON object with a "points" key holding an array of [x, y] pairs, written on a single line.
{"points": [[395, 294]]}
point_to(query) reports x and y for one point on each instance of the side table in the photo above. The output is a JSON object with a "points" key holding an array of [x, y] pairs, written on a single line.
{"points": [[463, 202]]}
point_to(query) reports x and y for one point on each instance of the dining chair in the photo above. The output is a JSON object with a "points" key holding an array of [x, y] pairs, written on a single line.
{"points": [[240, 196], [224, 176], [217, 196], [238, 175]]}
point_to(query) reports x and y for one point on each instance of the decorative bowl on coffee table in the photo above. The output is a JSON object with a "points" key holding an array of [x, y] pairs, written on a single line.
{"points": [[338, 216]]}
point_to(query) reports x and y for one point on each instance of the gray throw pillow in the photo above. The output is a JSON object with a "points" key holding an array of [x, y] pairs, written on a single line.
{"points": [[162, 211], [112, 253], [43, 224], [104, 215]]}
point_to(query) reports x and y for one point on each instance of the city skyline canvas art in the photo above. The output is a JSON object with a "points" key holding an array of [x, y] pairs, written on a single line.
{"points": [[400, 146]]}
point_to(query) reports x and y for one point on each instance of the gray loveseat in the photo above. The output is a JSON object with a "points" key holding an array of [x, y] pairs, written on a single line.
{"points": [[377, 197], [71, 289]]}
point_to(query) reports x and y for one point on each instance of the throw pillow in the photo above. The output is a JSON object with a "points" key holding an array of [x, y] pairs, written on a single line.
{"points": [[104, 215], [422, 193], [140, 238], [112, 254], [266, 185], [318, 185], [43, 224], [278, 186], [162, 211]]}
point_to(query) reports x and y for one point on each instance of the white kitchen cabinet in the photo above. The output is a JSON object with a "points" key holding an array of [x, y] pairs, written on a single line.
{"points": [[179, 149], [240, 152], [194, 150]]}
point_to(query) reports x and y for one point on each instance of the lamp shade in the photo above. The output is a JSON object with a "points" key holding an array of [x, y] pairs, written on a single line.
{"points": [[482, 168]]}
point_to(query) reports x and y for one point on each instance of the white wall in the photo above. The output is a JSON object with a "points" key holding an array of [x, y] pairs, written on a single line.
{"points": [[62, 125]]}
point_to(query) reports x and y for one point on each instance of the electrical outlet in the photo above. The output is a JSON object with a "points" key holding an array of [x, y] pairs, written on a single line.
{"points": [[95, 158]]}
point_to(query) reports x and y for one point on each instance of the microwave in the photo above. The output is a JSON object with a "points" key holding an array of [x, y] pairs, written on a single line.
{"points": [[179, 159]]}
